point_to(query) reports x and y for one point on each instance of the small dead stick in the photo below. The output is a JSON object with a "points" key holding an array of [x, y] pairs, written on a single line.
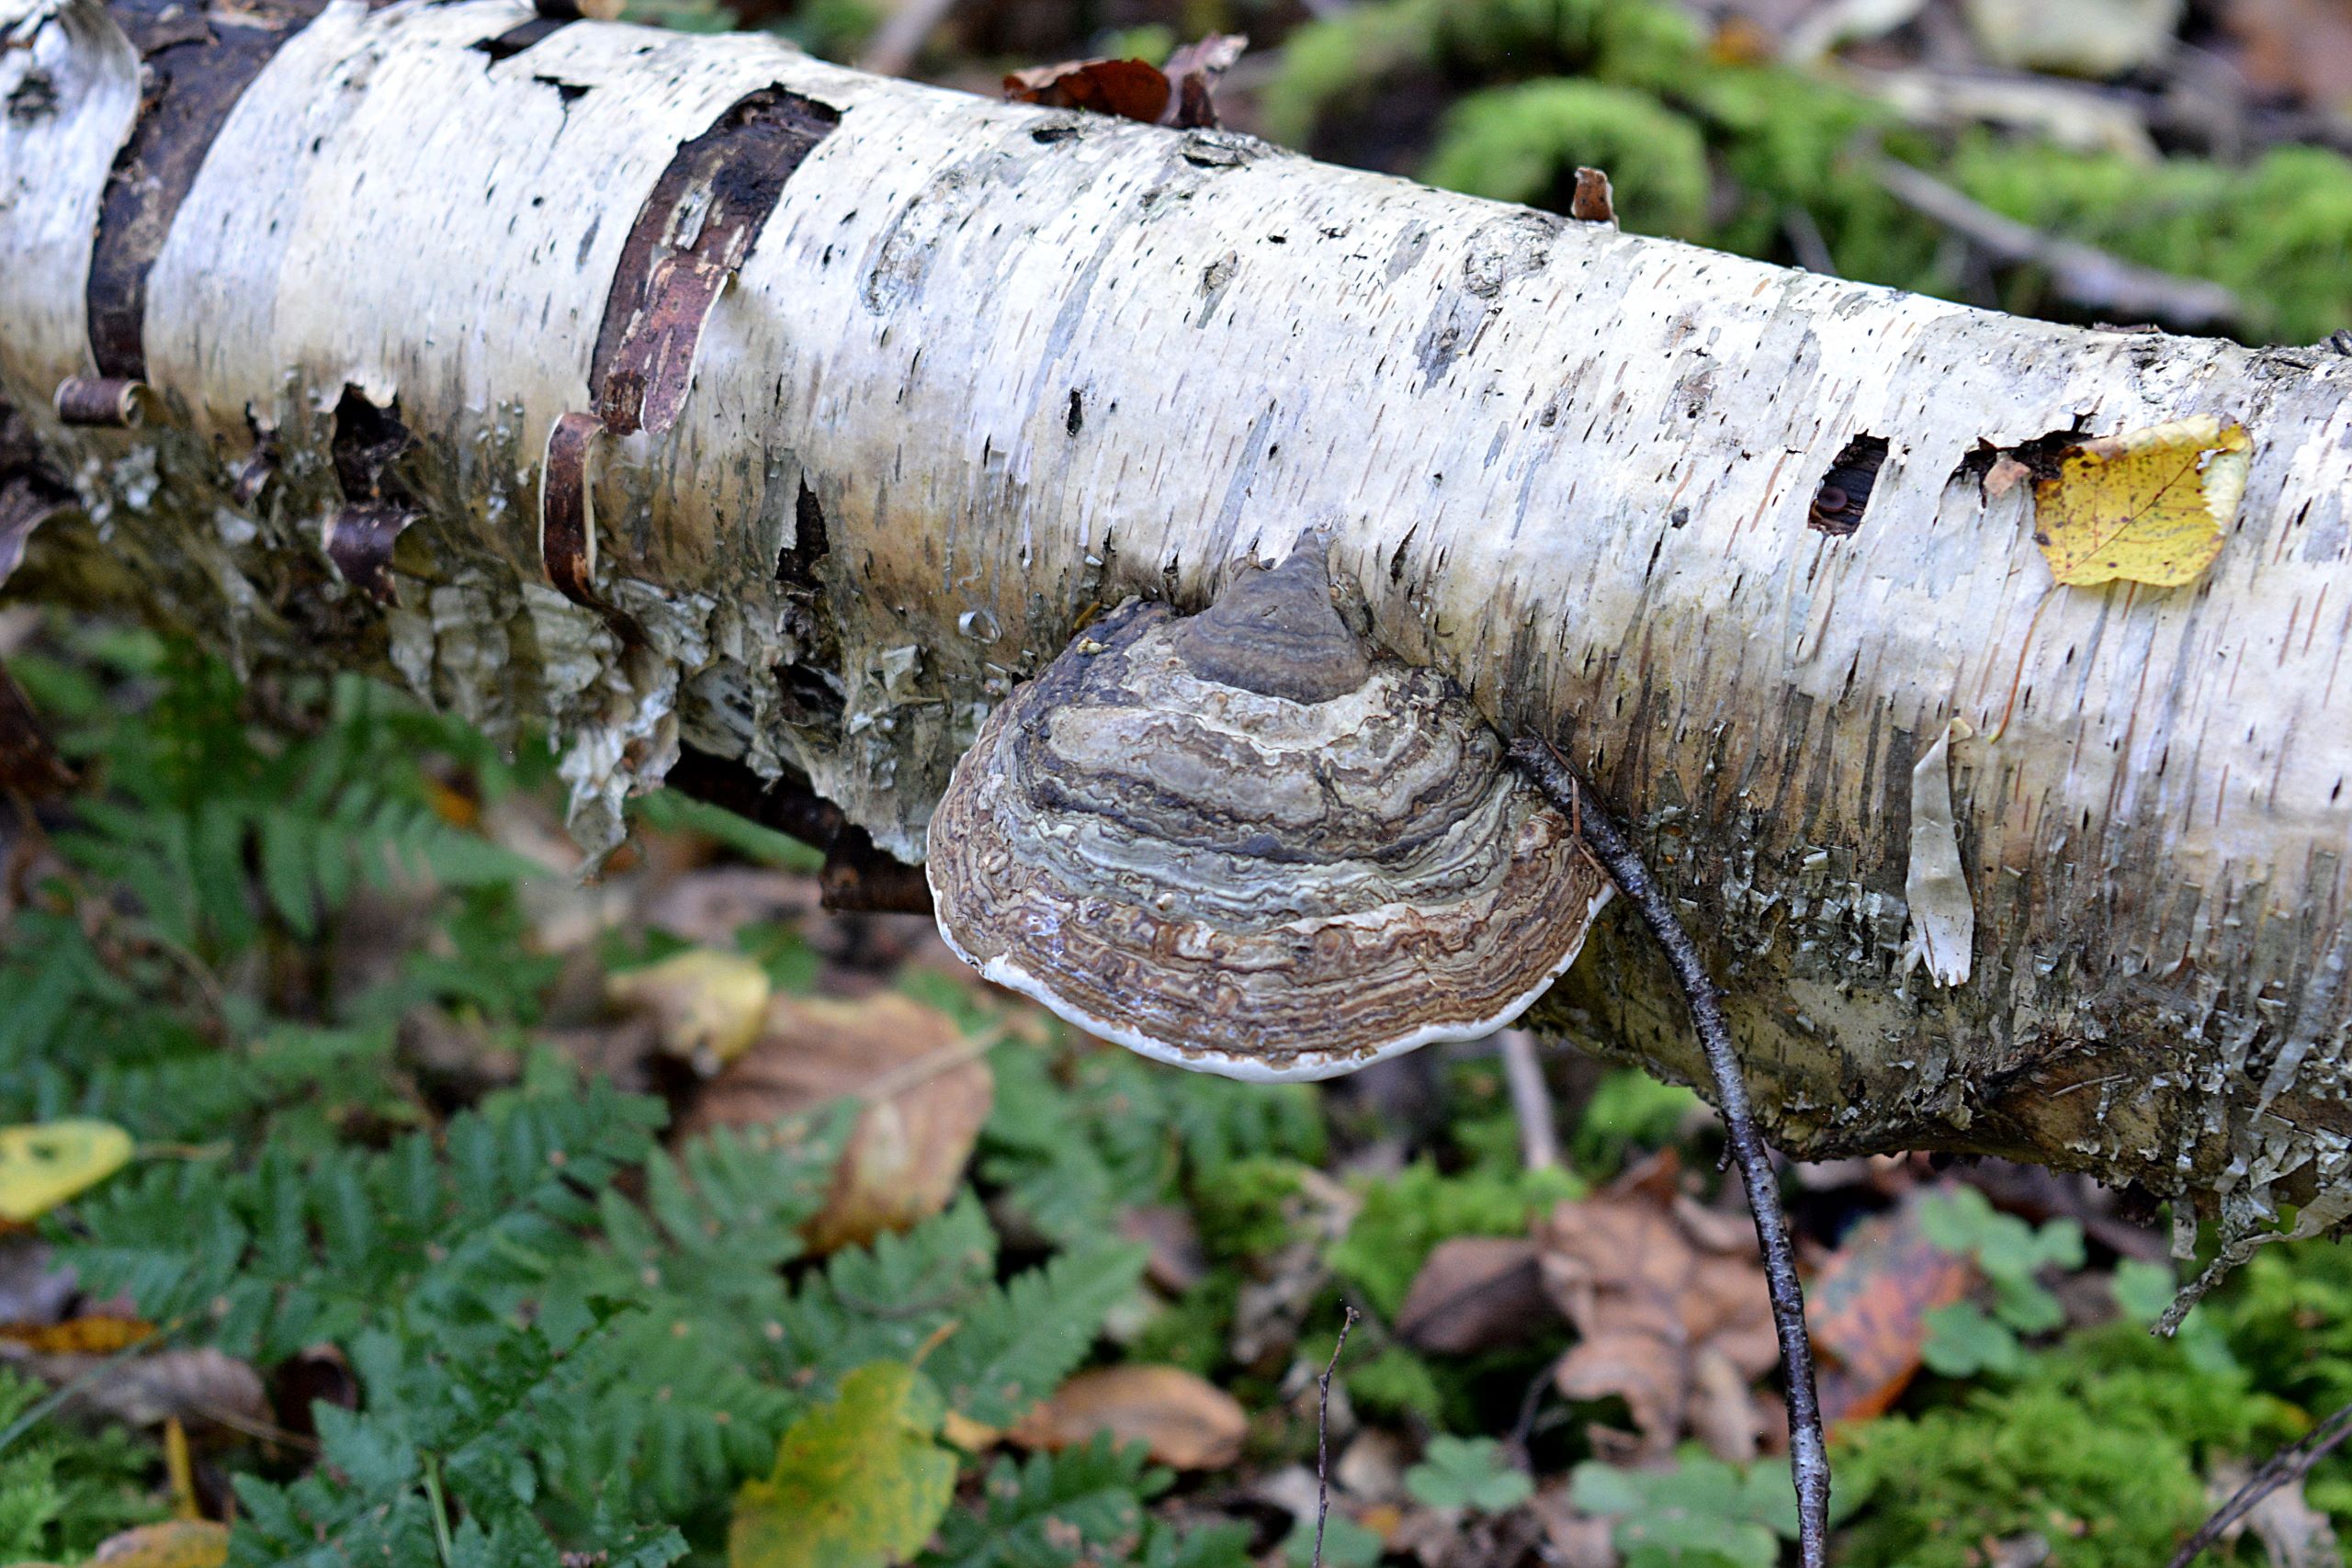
{"points": [[2288, 1464], [1808, 1455], [1322, 1432]]}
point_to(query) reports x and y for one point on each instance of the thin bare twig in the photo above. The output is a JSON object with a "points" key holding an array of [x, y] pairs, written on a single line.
{"points": [[2085, 275], [2288, 1464], [899, 41], [1808, 1454], [1531, 1098], [1322, 1432]]}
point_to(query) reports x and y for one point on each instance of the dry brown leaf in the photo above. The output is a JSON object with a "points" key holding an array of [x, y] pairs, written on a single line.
{"points": [[1187, 1422], [1131, 89], [1474, 1293], [711, 904], [179, 1543], [1578, 1539], [1193, 71], [1654, 1305], [707, 1005], [200, 1385], [1868, 1308], [1177, 1262], [1182, 95], [908, 1149]]}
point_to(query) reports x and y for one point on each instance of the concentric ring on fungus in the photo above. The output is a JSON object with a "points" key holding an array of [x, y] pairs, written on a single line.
{"points": [[1236, 842]]}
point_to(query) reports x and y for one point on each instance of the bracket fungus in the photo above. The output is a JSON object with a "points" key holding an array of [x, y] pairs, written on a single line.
{"points": [[1237, 843]]}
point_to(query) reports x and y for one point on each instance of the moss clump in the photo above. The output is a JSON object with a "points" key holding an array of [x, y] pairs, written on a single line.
{"points": [[2101, 1449], [1523, 144], [1406, 1216]]}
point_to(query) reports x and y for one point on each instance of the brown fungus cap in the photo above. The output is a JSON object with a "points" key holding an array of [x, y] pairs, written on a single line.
{"points": [[1238, 843]]}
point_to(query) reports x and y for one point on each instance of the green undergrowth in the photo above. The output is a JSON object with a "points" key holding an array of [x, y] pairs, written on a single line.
{"points": [[576, 1334], [1504, 98]]}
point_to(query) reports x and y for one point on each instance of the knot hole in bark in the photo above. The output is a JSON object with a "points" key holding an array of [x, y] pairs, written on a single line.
{"points": [[1844, 491]]}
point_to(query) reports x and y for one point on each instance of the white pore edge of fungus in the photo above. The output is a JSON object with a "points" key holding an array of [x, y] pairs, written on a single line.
{"points": [[1304, 1067], [1943, 916]]}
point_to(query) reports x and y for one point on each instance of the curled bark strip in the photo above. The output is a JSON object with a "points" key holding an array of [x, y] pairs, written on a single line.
{"points": [[1592, 201], [1808, 1454], [567, 508], [110, 402], [702, 218], [193, 73], [359, 539]]}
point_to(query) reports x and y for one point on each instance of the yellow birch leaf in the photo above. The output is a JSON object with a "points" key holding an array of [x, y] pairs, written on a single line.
{"points": [[2148, 507], [858, 1484], [43, 1163], [181, 1543]]}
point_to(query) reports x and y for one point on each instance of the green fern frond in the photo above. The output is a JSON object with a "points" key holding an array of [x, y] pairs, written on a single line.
{"points": [[293, 1251]]}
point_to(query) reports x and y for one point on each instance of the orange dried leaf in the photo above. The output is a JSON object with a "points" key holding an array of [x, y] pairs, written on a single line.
{"points": [[1868, 1311]]}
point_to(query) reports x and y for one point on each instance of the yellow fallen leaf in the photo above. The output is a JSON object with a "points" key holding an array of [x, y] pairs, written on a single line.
{"points": [[706, 1005], [43, 1163], [2148, 507], [181, 1543]]}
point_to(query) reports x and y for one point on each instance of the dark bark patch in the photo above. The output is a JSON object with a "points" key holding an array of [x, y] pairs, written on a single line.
{"points": [[28, 764], [29, 496], [1844, 493], [515, 40], [366, 448], [857, 874], [369, 441], [702, 218], [192, 76], [1075, 421]]}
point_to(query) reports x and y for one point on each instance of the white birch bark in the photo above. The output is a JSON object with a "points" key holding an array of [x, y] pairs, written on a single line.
{"points": [[1026, 363]]}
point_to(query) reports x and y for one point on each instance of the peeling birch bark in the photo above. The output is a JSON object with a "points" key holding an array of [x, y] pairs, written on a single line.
{"points": [[1715, 529]]}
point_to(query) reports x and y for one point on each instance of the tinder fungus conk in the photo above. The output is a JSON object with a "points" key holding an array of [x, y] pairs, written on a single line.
{"points": [[1236, 843]]}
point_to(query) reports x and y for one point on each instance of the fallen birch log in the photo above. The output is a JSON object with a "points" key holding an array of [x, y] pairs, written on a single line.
{"points": [[685, 392]]}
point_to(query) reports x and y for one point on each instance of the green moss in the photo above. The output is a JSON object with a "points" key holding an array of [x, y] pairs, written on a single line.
{"points": [[1339, 63], [2101, 1449], [1246, 1206], [1523, 144], [1397, 1383], [1407, 1216], [1193, 1329]]}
